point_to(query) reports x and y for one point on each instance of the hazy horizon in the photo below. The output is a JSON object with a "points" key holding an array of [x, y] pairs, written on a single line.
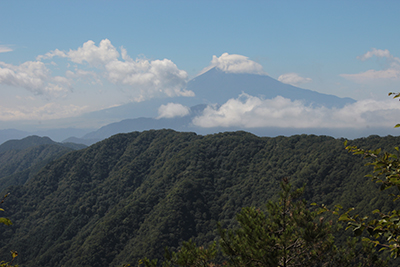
{"points": [[61, 60]]}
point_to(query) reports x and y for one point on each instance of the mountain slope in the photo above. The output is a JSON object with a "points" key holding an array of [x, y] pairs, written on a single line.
{"points": [[21, 159], [216, 86], [211, 87], [130, 195], [25, 143], [32, 141], [143, 124]]}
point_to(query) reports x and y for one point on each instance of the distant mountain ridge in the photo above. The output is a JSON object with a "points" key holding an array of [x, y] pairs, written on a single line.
{"points": [[21, 159], [25, 143], [216, 86], [32, 141], [143, 124], [212, 87]]}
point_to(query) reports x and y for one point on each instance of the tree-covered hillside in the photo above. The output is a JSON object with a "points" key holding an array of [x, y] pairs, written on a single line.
{"points": [[22, 159], [32, 141], [131, 195]]}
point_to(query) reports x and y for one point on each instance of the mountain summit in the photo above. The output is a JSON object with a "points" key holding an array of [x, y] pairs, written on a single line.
{"points": [[217, 86]]}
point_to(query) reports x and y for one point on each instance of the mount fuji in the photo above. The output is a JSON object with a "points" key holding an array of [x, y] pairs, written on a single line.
{"points": [[217, 86], [214, 87]]}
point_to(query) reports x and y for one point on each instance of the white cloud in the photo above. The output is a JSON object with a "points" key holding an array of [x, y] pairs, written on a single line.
{"points": [[51, 54], [124, 54], [390, 72], [4, 49], [235, 64], [370, 75], [62, 80], [149, 78], [172, 110], [86, 76], [293, 79], [96, 56], [375, 52], [31, 75], [144, 78], [253, 112]]}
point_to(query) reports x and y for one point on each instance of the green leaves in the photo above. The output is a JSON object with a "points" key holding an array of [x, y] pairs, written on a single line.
{"points": [[344, 217], [387, 172], [188, 255], [191, 255], [395, 95], [386, 166], [5, 221], [14, 254], [288, 234], [386, 228]]}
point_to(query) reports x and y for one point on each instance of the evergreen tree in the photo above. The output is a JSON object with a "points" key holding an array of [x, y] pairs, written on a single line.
{"points": [[288, 234]]}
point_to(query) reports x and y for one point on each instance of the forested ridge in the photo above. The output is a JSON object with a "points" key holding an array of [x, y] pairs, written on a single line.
{"points": [[22, 159], [131, 195]]}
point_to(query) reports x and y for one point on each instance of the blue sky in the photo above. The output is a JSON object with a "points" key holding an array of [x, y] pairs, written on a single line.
{"points": [[345, 48]]}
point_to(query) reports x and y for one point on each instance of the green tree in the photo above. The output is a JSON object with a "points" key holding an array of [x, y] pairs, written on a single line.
{"points": [[288, 234], [383, 228], [188, 255], [3, 220], [14, 254]]}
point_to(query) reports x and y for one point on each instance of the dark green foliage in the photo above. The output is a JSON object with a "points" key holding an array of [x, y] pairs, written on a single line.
{"points": [[287, 234], [7, 221], [25, 143], [22, 159], [3, 220], [189, 255], [131, 195], [383, 227], [32, 141]]}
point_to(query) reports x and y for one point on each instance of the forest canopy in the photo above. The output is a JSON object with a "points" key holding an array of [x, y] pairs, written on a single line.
{"points": [[130, 196]]}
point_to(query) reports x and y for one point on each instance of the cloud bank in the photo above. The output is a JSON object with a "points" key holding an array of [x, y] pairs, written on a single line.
{"points": [[150, 78], [145, 78], [172, 110], [248, 111], [390, 72], [235, 64]]}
